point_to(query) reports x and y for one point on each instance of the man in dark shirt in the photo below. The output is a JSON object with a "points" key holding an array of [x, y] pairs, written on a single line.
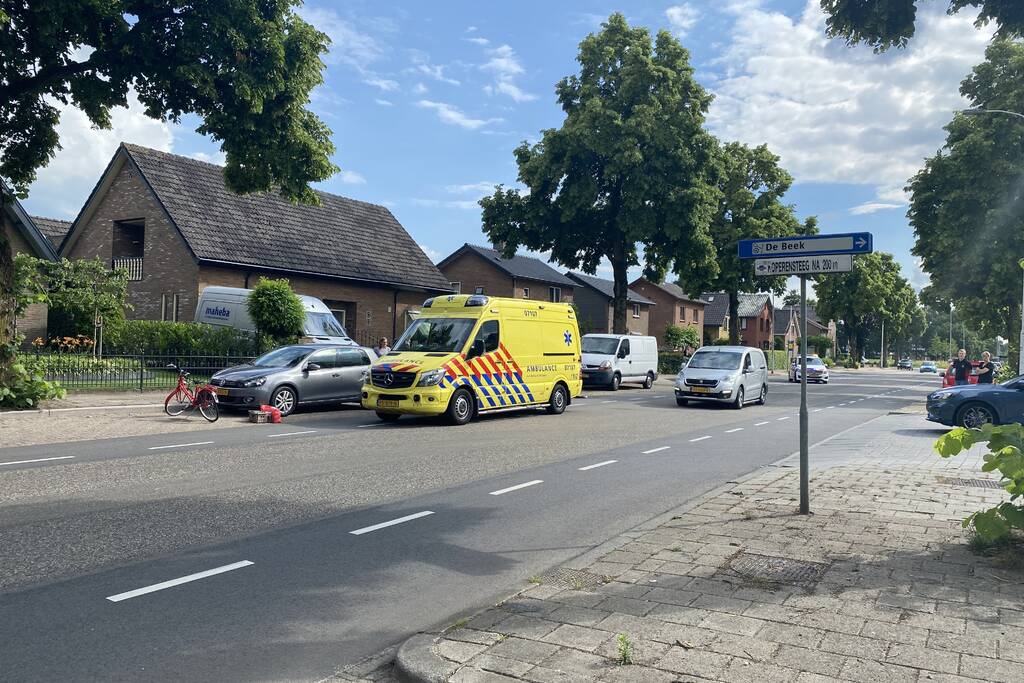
{"points": [[987, 369], [961, 368]]}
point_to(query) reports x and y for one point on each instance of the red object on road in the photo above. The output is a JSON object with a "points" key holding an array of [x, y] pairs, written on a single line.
{"points": [[949, 379], [275, 414]]}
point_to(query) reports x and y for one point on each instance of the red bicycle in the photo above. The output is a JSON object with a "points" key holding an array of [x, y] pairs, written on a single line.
{"points": [[188, 396]]}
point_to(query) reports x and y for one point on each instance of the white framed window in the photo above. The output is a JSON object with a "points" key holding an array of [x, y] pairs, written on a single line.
{"points": [[695, 312], [526, 292], [682, 314], [478, 290], [743, 323], [457, 286], [163, 308], [636, 310], [174, 308], [555, 294]]}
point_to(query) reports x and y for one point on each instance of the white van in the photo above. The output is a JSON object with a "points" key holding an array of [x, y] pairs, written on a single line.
{"points": [[226, 307], [611, 359]]}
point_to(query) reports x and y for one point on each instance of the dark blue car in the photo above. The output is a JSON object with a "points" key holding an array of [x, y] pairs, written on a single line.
{"points": [[976, 404]]}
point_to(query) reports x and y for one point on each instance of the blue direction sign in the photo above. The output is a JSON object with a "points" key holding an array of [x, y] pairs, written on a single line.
{"points": [[810, 245]]}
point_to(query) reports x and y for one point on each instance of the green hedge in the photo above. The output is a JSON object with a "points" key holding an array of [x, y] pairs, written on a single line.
{"points": [[165, 338], [669, 362], [58, 365]]}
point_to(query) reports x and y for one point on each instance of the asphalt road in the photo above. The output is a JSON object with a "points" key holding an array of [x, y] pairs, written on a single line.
{"points": [[284, 552]]}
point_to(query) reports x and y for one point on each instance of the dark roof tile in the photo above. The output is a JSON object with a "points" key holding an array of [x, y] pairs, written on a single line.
{"points": [[525, 267], [53, 229], [607, 288]]}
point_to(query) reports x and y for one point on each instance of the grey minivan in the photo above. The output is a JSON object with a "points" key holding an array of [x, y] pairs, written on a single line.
{"points": [[724, 374], [293, 375]]}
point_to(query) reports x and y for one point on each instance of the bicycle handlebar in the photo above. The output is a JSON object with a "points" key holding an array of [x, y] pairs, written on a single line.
{"points": [[180, 372]]}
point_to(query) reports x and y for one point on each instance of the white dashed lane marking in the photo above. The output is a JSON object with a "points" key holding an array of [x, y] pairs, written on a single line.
{"points": [[700, 438], [655, 450], [393, 522], [500, 492], [309, 431], [177, 582], [760, 423], [180, 445], [596, 465], [784, 417], [22, 462], [730, 431]]}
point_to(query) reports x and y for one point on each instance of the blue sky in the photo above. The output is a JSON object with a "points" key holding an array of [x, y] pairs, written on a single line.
{"points": [[428, 100]]}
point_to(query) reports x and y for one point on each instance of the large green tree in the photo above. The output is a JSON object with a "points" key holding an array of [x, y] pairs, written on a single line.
{"points": [[751, 185], [631, 165], [246, 67], [967, 205], [883, 24], [862, 298]]}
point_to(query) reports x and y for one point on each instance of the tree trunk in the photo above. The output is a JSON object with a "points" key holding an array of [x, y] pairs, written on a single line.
{"points": [[1013, 337], [734, 320], [621, 287]]}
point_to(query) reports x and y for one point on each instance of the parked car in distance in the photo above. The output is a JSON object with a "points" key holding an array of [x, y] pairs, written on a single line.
{"points": [[610, 359], [291, 376], [226, 307], [905, 364], [724, 374], [948, 379], [974, 405], [928, 366], [817, 371]]}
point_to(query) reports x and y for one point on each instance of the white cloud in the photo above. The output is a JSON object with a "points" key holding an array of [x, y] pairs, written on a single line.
{"points": [[836, 114], [482, 187], [873, 207], [479, 41], [419, 89], [470, 29], [446, 204], [351, 178], [682, 18], [218, 157], [450, 114], [384, 103], [348, 46], [385, 84], [62, 187], [421, 65], [919, 279], [505, 66]]}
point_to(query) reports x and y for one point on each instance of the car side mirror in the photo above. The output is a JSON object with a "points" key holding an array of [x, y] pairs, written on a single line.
{"points": [[477, 349], [311, 367]]}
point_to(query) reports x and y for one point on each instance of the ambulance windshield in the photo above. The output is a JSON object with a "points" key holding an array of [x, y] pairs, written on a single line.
{"points": [[436, 335]]}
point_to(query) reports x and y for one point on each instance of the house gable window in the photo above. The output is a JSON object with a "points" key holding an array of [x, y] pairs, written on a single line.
{"points": [[554, 294], [457, 286], [636, 310], [526, 292]]}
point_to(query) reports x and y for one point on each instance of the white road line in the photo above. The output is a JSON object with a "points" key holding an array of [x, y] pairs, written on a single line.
{"points": [[372, 424], [22, 462], [730, 431], [827, 407], [177, 582], [393, 522], [700, 438], [758, 424], [308, 431], [517, 487], [595, 466], [842, 404], [818, 410], [180, 445], [784, 417], [611, 401], [655, 450]]}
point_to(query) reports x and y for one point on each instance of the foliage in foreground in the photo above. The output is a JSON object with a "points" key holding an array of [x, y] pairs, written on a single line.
{"points": [[23, 387], [1006, 455]]}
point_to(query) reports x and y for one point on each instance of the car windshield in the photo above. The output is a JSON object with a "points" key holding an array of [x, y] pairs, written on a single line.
{"points": [[815, 362], [284, 357], [716, 360], [323, 325], [602, 345], [439, 335]]}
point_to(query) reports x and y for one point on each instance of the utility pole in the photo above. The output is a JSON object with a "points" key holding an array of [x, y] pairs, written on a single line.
{"points": [[805, 505], [881, 352], [950, 329]]}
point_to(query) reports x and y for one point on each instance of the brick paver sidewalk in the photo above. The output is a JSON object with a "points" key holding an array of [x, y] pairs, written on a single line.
{"points": [[877, 585]]}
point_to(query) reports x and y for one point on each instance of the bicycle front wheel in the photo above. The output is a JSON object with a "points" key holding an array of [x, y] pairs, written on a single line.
{"points": [[208, 407], [176, 403]]}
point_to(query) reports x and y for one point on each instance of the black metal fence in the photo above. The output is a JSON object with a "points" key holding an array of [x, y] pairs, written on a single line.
{"points": [[124, 371]]}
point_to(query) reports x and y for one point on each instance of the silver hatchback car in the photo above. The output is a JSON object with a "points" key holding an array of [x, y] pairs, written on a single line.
{"points": [[294, 375], [724, 374]]}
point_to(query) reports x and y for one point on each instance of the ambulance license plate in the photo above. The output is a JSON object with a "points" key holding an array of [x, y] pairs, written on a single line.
{"points": [[700, 390], [386, 403], [222, 391]]}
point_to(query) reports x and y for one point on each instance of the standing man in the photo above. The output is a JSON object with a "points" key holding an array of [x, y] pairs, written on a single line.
{"points": [[987, 369], [382, 347], [961, 368]]}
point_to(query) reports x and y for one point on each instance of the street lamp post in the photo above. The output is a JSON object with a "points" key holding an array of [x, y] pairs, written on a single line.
{"points": [[1020, 343]]}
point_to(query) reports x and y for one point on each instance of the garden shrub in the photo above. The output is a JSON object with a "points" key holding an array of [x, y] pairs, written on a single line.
{"points": [[669, 362], [187, 339], [22, 387]]}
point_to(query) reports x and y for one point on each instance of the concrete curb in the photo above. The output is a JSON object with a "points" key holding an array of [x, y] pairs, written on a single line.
{"points": [[416, 662], [50, 411]]}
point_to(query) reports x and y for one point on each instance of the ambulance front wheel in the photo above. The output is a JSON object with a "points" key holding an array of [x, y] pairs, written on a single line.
{"points": [[460, 407], [559, 399]]}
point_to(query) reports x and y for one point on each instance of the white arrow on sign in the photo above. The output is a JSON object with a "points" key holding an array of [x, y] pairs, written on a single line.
{"points": [[804, 265]]}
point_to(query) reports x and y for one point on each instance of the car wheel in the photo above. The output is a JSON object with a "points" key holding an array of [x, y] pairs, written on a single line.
{"points": [[974, 415], [559, 399], [616, 381], [649, 381], [681, 401], [763, 398], [388, 417], [738, 403], [460, 407], [284, 399]]}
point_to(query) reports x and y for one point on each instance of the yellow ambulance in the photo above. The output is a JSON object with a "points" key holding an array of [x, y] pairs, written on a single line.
{"points": [[467, 354]]}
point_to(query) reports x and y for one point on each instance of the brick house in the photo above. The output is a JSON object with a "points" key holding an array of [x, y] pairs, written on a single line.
{"points": [[671, 307], [53, 229], [595, 308], [25, 237], [787, 327], [754, 313], [471, 269], [173, 225]]}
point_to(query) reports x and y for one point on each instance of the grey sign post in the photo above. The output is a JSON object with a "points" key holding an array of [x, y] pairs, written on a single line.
{"points": [[803, 256]]}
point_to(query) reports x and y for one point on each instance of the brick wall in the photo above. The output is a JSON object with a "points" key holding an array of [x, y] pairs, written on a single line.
{"points": [[473, 271], [32, 323], [168, 267], [667, 310], [759, 330]]}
